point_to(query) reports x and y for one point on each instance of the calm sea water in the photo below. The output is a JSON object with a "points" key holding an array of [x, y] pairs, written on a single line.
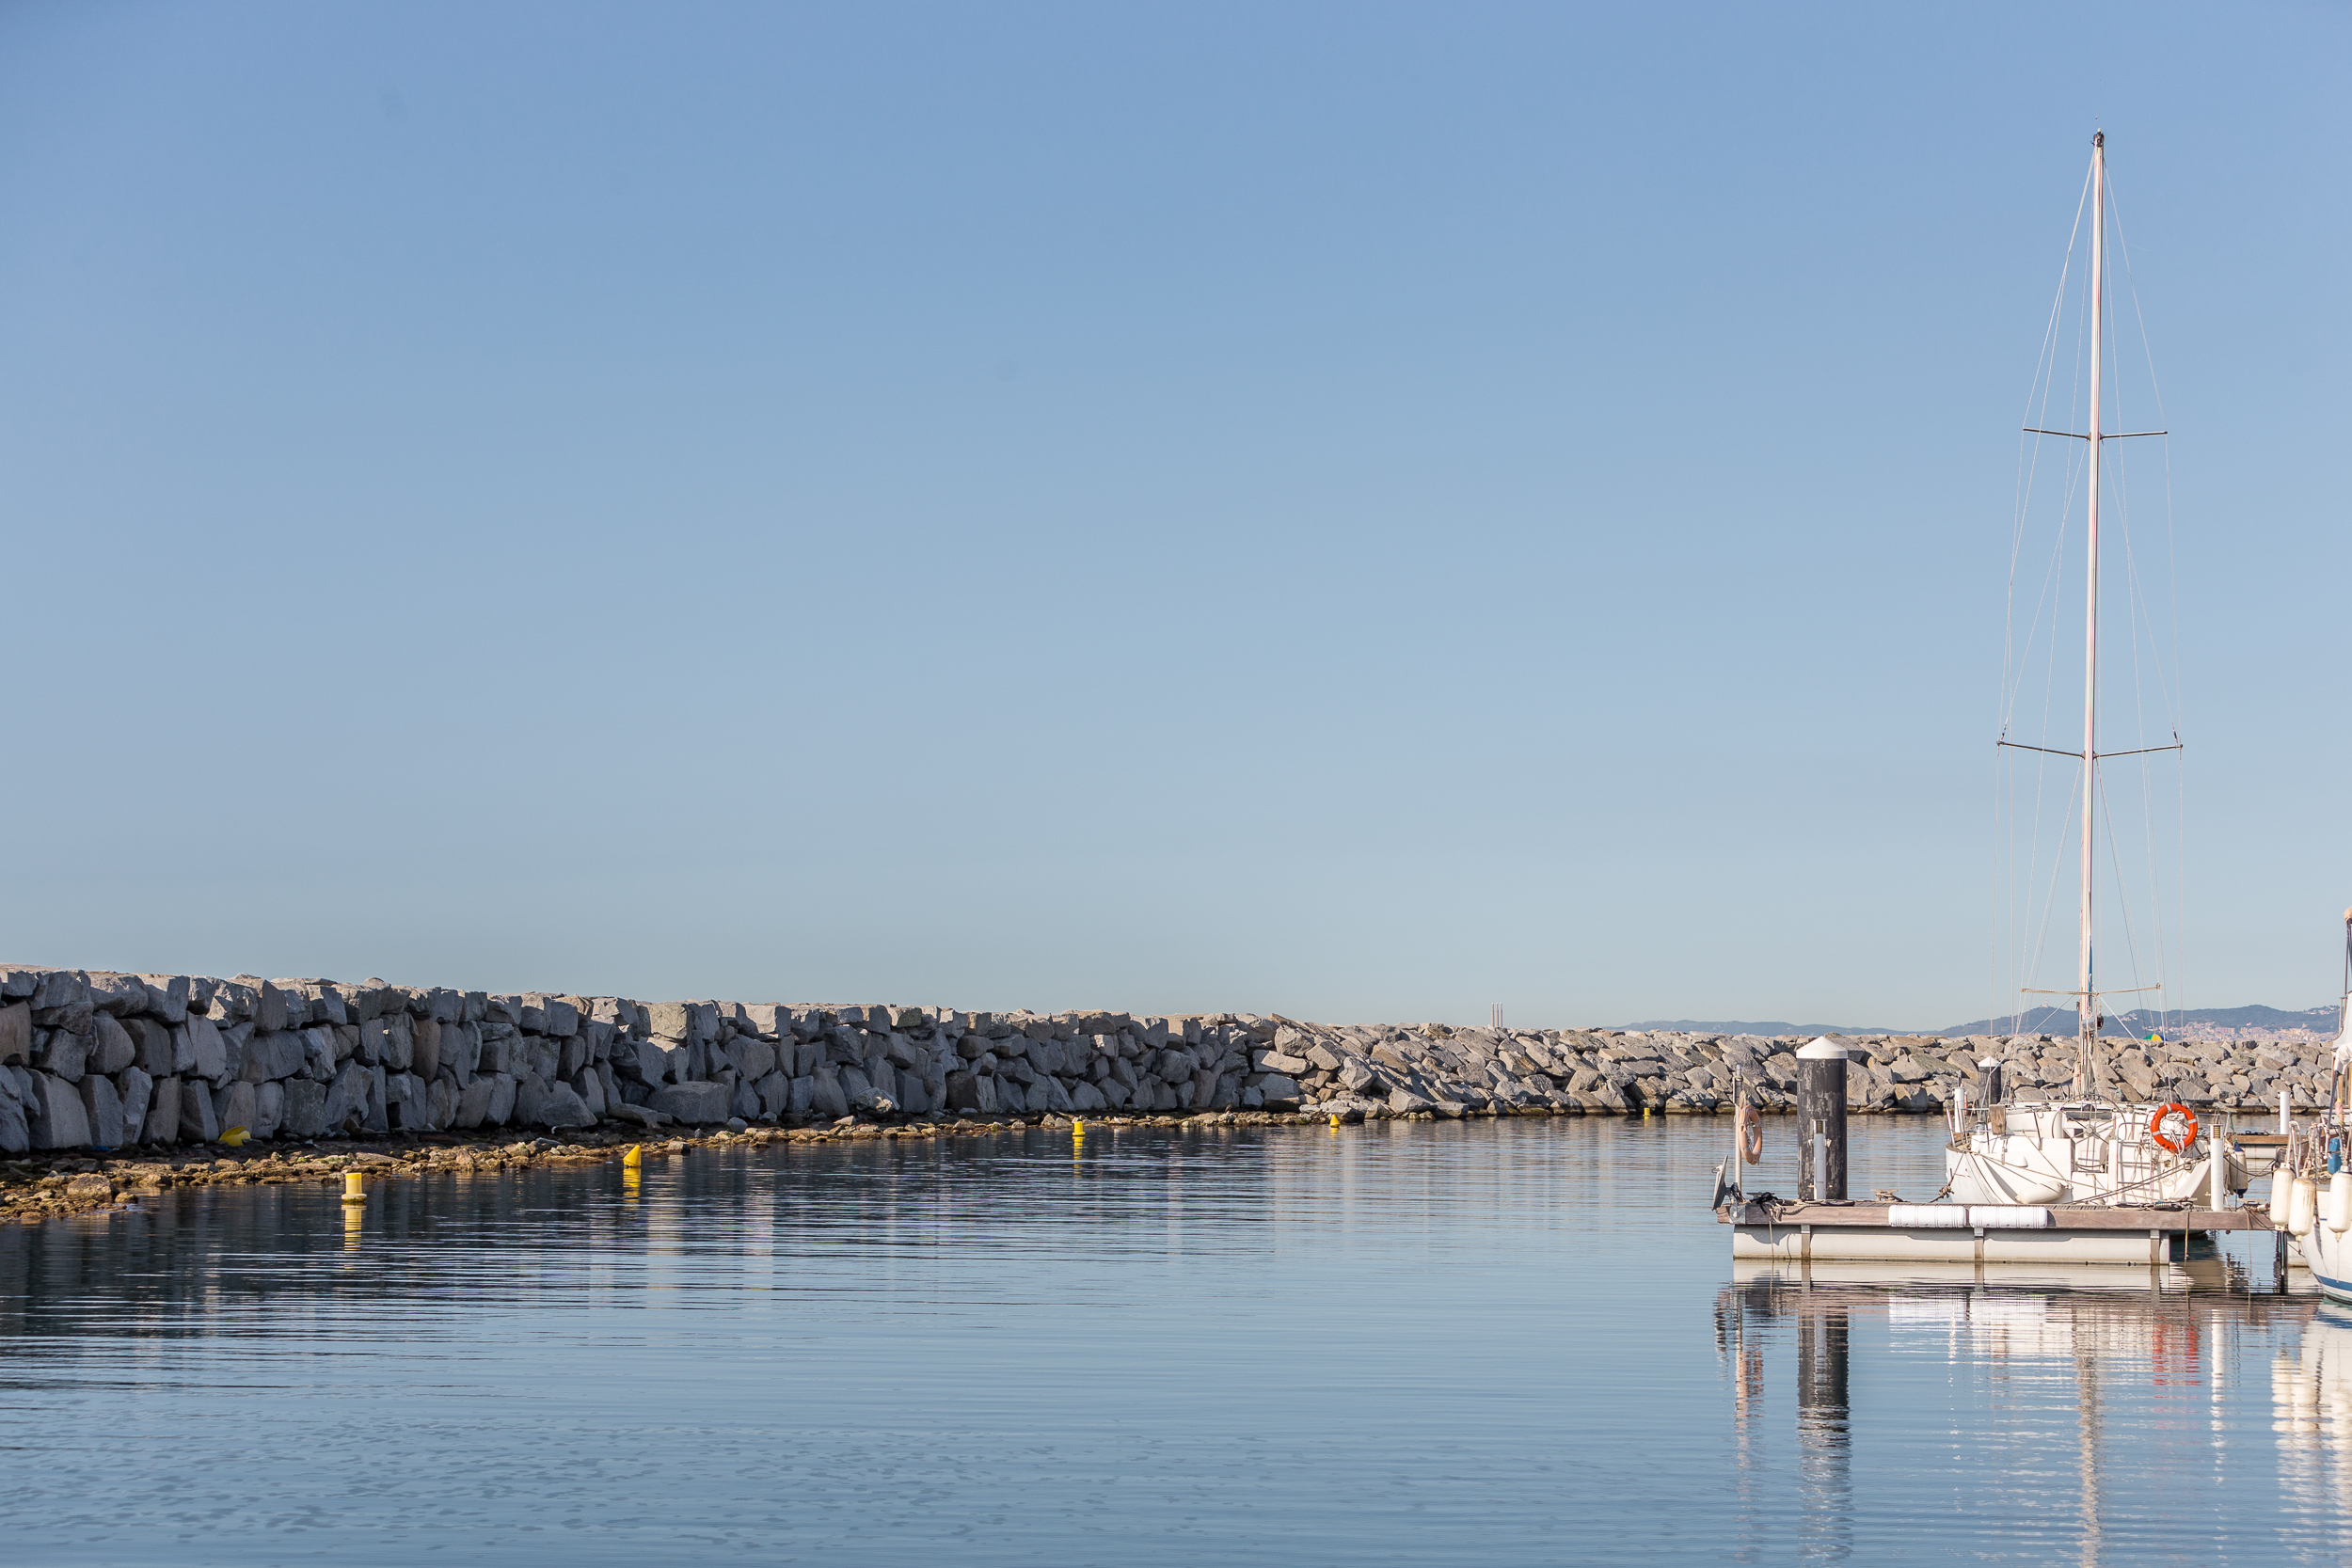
{"points": [[1481, 1343]]}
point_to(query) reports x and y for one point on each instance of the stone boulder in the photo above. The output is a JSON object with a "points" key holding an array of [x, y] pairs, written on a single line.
{"points": [[701, 1103]]}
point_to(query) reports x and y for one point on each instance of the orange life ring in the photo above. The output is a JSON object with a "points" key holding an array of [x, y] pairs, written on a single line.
{"points": [[1751, 1134], [2156, 1127]]}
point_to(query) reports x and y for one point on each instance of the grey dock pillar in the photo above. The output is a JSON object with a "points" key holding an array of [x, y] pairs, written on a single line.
{"points": [[1821, 1120]]}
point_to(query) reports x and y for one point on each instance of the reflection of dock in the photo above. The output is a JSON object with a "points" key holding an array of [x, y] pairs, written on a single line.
{"points": [[2097, 1339]]}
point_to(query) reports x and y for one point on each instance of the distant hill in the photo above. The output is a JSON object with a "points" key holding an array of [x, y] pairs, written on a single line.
{"points": [[1700, 1027], [2253, 1018]]}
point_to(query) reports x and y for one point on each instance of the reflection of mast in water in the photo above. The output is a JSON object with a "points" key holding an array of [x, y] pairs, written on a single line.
{"points": [[2086, 1412], [1824, 1463]]}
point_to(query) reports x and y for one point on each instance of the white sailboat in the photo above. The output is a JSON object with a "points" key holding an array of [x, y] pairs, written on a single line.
{"points": [[2089, 1148], [2314, 1175]]}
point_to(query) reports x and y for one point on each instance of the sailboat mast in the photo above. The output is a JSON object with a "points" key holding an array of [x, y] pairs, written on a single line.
{"points": [[2086, 1004]]}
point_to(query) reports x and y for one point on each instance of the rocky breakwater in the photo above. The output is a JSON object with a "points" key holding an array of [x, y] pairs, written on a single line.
{"points": [[1435, 1070], [106, 1061], [95, 1060]]}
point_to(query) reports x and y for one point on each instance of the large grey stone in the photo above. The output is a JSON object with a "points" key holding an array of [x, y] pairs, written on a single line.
{"points": [[774, 1092], [16, 1034], [826, 1099], [103, 1106], [347, 1099], [167, 996], [858, 1087], [1086, 1097], [138, 1091], [502, 1109], [268, 1058], [233, 1106], [64, 1056], [269, 1110], [110, 1046], [118, 994], [16, 1130], [406, 1108], [163, 1113], [441, 1101], [701, 1103], [152, 1049], [473, 1103], [199, 1122], [210, 1056], [58, 1117], [752, 1057], [801, 1101], [541, 1105], [745, 1099]]}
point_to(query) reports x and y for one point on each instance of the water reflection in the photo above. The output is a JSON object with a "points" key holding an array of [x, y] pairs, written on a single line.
{"points": [[2155, 1342]]}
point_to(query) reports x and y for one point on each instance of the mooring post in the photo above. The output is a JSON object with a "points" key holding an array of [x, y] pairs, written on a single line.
{"points": [[1821, 1120]]}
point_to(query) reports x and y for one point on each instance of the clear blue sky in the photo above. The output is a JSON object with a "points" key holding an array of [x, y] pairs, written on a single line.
{"points": [[1356, 511]]}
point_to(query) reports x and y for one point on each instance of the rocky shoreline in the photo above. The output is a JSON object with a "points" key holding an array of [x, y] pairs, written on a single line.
{"points": [[114, 1080]]}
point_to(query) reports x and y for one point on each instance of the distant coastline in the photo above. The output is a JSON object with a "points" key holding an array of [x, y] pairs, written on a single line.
{"points": [[2195, 1023]]}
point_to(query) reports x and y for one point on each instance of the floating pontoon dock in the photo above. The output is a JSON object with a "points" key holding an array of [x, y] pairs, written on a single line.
{"points": [[1952, 1232]]}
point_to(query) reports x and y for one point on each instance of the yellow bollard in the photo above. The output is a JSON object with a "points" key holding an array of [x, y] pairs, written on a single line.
{"points": [[355, 1187], [1077, 1129], [635, 1158]]}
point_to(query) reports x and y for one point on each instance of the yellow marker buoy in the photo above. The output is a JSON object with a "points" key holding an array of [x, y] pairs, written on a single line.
{"points": [[1335, 1121], [233, 1137], [635, 1158], [355, 1187]]}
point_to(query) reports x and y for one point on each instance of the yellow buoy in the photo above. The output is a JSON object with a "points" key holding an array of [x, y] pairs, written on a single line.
{"points": [[635, 1158], [1077, 1127], [1335, 1121], [355, 1187], [233, 1137]]}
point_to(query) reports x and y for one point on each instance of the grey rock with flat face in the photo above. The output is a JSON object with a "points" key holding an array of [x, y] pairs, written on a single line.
{"points": [[803, 1099], [118, 994], [589, 1085], [305, 1112], [152, 1046], [102, 1107], [211, 1055], [405, 1105], [1047, 1094], [473, 1103], [538, 1104], [269, 1110], [16, 1034], [825, 1097], [501, 1111], [163, 1113], [268, 1058], [65, 1055], [16, 1131], [347, 1099], [700, 1104], [136, 1090], [234, 1105], [197, 1124]]}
